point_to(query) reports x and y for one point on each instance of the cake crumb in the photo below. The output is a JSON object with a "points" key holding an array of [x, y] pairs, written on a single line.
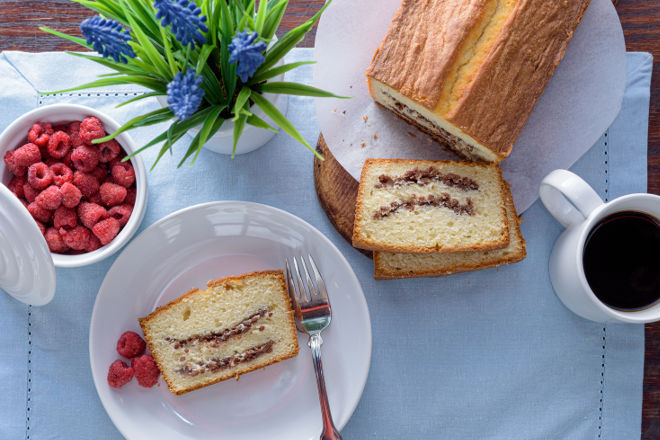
{"points": [[363, 143], [365, 118], [375, 137], [412, 134], [343, 112]]}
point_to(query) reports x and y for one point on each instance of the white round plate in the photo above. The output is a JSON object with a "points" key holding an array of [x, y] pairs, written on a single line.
{"points": [[578, 104], [213, 240]]}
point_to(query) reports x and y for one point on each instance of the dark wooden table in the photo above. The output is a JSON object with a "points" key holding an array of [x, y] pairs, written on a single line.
{"points": [[19, 21]]}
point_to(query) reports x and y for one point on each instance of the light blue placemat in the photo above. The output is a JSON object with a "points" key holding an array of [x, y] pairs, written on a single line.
{"points": [[487, 355]]}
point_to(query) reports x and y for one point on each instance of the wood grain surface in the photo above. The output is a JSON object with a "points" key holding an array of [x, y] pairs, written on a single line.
{"points": [[19, 22]]}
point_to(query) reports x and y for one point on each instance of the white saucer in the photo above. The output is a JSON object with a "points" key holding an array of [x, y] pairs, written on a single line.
{"points": [[213, 240]]}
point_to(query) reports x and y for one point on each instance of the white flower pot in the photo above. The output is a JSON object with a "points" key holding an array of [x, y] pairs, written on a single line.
{"points": [[252, 137]]}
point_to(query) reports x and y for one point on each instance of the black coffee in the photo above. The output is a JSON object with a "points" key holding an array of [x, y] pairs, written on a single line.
{"points": [[622, 260]]}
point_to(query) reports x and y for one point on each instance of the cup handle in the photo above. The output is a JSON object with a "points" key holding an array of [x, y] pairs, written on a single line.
{"points": [[560, 185]]}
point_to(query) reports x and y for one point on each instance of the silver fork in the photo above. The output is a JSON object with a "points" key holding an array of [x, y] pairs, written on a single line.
{"points": [[313, 315]]}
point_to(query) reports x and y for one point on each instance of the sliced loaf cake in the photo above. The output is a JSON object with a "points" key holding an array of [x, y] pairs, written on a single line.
{"points": [[388, 265], [415, 206], [237, 325]]}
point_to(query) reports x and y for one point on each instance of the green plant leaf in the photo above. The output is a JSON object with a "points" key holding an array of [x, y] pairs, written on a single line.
{"points": [[154, 117], [277, 71], [211, 125], [241, 99], [261, 16], [142, 80], [239, 124], [289, 41], [258, 122], [277, 117], [73, 39], [138, 98], [273, 19], [291, 88]]}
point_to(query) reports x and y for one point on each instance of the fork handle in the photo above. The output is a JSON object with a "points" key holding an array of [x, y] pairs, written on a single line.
{"points": [[329, 430]]}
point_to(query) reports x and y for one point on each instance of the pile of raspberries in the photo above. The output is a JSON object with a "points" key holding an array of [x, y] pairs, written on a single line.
{"points": [[80, 194], [130, 345]]}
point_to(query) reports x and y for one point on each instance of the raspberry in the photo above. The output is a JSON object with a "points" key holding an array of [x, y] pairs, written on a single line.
{"points": [[41, 226], [71, 195], [108, 150], [86, 183], [16, 186], [48, 128], [123, 174], [30, 193], [61, 173], [37, 136], [65, 217], [95, 198], [112, 194], [85, 158], [130, 196], [39, 213], [94, 243], [50, 198], [73, 130], [146, 371], [106, 230], [27, 155], [91, 128], [130, 345], [55, 241], [122, 213], [119, 374], [101, 173], [39, 175], [66, 160], [76, 238], [12, 166], [59, 144], [91, 213]]}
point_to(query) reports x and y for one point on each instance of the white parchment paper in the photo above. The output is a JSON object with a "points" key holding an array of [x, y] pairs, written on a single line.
{"points": [[579, 103]]}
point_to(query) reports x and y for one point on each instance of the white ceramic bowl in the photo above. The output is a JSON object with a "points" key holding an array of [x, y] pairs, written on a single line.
{"points": [[14, 136]]}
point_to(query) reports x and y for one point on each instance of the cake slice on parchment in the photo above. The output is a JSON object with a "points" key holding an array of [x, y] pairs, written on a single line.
{"points": [[415, 206], [388, 265], [468, 73], [239, 324]]}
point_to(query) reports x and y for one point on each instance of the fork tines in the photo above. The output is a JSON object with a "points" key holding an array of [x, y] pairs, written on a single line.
{"points": [[306, 289]]}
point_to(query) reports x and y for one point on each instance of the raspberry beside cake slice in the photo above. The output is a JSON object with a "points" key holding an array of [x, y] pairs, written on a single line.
{"points": [[239, 324], [415, 206], [388, 265]]}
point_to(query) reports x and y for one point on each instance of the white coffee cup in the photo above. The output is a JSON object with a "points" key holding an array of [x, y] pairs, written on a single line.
{"points": [[579, 217]]}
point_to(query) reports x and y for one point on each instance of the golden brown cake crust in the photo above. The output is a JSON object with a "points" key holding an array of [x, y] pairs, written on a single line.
{"points": [[432, 33], [426, 38], [497, 103], [214, 283], [360, 243]]}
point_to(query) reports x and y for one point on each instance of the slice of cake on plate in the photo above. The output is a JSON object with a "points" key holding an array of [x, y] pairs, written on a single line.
{"points": [[388, 265], [414, 206], [237, 325], [468, 73]]}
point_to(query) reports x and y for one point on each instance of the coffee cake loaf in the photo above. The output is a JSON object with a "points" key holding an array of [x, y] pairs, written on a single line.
{"points": [[237, 325], [415, 206], [468, 73], [388, 265]]}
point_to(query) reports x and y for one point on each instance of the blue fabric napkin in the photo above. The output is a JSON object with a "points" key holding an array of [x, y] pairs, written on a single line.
{"points": [[484, 355]]}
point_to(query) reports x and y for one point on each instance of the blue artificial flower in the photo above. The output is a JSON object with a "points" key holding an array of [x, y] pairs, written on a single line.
{"points": [[183, 15], [108, 38], [247, 55], [184, 94]]}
